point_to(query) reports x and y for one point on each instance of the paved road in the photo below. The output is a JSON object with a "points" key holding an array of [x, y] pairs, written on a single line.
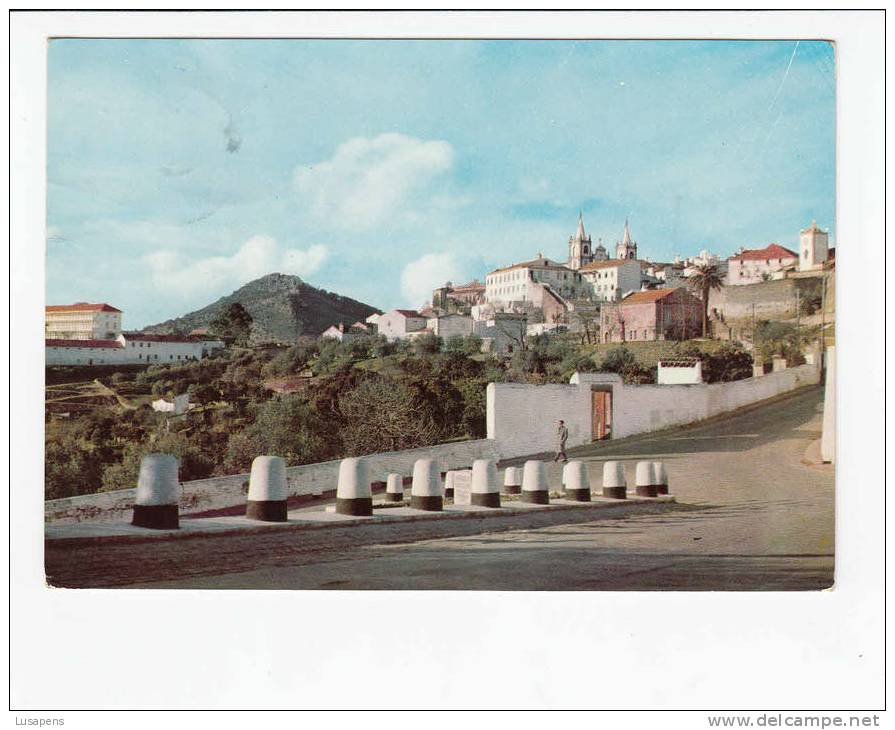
{"points": [[753, 517]]}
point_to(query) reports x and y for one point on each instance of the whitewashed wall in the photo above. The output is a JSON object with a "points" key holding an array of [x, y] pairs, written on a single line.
{"points": [[222, 492], [522, 418]]}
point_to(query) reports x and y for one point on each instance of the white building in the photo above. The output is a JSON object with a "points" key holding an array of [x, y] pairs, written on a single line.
{"points": [[680, 371], [131, 348], [503, 334], [510, 285], [611, 280], [396, 324], [82, 321], [346, 334], [180, 405], [815, 248], [752, 266], [451, 325]]}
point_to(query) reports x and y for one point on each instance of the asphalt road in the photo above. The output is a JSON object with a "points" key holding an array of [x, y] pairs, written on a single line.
{"points": [[753, 515]]}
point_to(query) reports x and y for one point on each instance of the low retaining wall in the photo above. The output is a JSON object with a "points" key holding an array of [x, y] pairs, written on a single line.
{"points": [[522, 418], [217, 493]]}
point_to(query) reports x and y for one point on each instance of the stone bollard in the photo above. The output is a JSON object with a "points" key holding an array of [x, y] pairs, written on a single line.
{"points": [[758, 370], [643, 479], [157, 501], [778, 364], [534, 483], [394, 488], [448, 478], [660, 477], [577, 481], [485, 487], [353, 495], [614, 484], [267, 490], [426, 492], [565, 473], [512, 480]]}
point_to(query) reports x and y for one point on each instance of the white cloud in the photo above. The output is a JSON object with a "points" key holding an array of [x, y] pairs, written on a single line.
{"points": [[370, 180], [420, 277], [258, 256]]}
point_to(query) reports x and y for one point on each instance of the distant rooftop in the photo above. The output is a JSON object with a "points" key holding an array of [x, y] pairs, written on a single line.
{"points": [[81, 307], [773, 251]]}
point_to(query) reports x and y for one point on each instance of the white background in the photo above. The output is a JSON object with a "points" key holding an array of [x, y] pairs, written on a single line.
{"points": [[133, 649]]}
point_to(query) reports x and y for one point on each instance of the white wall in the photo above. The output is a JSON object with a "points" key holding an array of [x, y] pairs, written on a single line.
{"points": [[221, 492], [679, 374], [522, 418], [131, 353]]}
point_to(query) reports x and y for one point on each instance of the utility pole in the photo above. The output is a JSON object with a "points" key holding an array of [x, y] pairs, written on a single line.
{"points": [[753, 326], [798, 317], [823, 318]]}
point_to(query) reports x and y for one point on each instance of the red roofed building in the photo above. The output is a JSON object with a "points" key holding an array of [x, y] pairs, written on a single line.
{"points": [[655, 314], [752, 266], [82, 321]]}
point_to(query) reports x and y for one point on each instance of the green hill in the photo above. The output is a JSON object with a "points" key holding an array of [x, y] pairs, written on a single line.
{"points": [[283, 308]]}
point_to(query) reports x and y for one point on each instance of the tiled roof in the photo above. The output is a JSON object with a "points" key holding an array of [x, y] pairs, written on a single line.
{"points": [[774, 251], [81, 307], [474, 285], [539, 263], [96, 344], [650, 295]]}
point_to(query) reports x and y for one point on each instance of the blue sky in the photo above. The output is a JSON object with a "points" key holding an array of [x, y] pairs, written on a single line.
{"points": [[180, 170]]}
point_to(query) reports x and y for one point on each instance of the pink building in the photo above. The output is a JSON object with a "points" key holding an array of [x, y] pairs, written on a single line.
{"points": [[655, 314]]}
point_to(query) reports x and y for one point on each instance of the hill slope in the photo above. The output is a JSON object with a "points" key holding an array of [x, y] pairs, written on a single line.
{"points": [[283, 308]]}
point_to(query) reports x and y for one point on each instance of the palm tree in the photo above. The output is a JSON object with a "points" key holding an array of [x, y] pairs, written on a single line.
{"points": [[705, 278]]}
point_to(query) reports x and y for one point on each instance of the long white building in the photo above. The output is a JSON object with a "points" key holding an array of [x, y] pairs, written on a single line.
{"points": [[130, 348]]}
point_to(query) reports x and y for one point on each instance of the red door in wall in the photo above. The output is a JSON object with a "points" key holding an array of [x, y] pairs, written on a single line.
{"points": [[601, 414]]}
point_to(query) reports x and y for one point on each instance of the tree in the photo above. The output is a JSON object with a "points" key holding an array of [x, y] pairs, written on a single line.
{"points": [[427, 344], [705, 278], [384, 415], [235, 322]]}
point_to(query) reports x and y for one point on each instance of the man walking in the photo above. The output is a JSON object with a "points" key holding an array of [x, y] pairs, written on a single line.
{"points": [[562, 434]]}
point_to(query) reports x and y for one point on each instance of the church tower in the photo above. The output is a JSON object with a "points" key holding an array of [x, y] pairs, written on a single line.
{"points": [[815, 248], [627, 247], [580, 252]]}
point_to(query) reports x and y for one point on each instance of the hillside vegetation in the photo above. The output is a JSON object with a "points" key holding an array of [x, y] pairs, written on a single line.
{"points": [[346, 400], [282, 307]]}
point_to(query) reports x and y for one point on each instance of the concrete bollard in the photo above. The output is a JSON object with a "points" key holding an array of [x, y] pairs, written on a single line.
{"points": [[157, 502], [267, 490], [643, 479], [426, 492], [394, 488], [512, 480], [485, 487], [660, 477], [534, 483], [577, 481], [448, 484], [565, 473], [353, 495], [614, 484]]}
